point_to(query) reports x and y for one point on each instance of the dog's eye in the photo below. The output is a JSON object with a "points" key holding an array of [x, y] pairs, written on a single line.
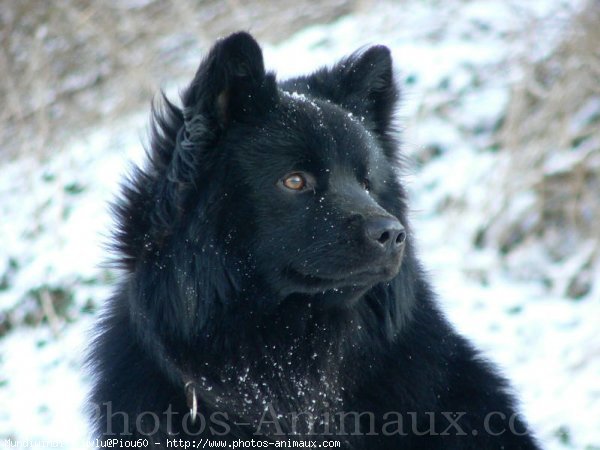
{"points": [[294, 181], [366, 184]]}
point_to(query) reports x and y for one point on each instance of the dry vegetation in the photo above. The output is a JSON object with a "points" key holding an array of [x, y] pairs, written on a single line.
{"points": [[552, 133], [68, 64]]}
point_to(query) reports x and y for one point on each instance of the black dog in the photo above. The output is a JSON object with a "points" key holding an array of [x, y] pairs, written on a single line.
{"points": [[271, 289]]}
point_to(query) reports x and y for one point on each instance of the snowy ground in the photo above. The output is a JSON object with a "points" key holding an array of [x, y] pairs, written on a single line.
{"points": [[456, 62]]}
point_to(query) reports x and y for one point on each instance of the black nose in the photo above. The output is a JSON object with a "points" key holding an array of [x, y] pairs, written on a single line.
{"points": [[387, 232]]}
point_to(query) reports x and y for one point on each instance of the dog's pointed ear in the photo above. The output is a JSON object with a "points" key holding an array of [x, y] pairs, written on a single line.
{"points": [[363, 83], [228, 82]]}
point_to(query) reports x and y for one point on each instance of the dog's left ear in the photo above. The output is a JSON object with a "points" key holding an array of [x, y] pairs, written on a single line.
{"points": [[362, 83], [231, 82]]}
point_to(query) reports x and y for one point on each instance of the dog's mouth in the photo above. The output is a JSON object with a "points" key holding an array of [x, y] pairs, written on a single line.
{"points": [[357, 279], [338, 289]]}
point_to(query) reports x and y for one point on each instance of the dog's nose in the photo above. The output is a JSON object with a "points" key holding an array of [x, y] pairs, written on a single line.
{"points": [[387, 232]]}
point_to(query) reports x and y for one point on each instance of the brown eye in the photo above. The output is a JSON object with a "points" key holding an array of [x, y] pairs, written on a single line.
{"points": [[294, 181], [366, 184]]}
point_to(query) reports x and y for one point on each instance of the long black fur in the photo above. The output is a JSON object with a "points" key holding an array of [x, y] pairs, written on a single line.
{"points": [[229, 280]]}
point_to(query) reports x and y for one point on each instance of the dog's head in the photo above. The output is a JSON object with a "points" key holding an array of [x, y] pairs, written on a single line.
{"points": [[294, 184]]}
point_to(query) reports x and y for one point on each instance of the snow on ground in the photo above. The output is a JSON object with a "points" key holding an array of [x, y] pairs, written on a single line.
{"points": [[456, 61]]}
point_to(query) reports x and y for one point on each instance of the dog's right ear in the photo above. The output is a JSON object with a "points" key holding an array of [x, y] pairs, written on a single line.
{"points": [[362, 83], [231, 82]]}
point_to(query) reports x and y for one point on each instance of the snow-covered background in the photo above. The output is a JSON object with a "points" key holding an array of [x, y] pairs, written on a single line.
{"points": [[458, 62]]}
